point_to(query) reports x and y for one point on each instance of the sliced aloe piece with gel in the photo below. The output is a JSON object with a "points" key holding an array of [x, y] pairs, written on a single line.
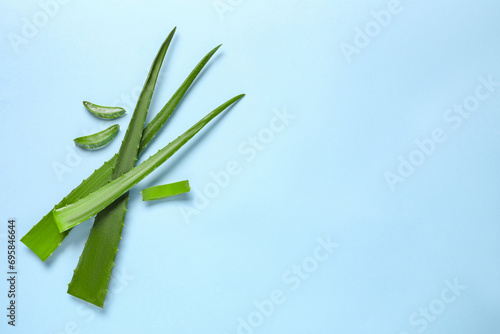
{"points": [[78, 212], [104, 112], [165, 190], [99, 139], [44, 237]]}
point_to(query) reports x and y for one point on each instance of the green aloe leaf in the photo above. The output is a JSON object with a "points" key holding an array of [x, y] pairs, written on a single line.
{"points": [[76, 213], [154, 126], [106, 232], [104, 112], [165, 190], [99, 139], [44, 238]]}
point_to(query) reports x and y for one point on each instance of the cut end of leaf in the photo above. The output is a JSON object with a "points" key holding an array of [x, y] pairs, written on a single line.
{"points": [[165, 190], [62, 222], [97, 301]]}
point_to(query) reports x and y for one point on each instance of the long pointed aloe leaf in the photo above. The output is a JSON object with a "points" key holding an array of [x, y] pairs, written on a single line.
{"points": [[73, 214], [44, 238], [99, 139], [106, 232], [154, 126]]}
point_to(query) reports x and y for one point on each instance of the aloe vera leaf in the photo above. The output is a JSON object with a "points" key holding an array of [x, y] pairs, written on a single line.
{"points": [[104, 112], [106, 232], [99, 139], [44, 238], [86, 207], [165, 190], [154, 126]]}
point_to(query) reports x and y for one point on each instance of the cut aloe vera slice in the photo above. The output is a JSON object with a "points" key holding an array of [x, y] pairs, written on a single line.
{"points": [[99, 139], [165, 190], [104, 112]]}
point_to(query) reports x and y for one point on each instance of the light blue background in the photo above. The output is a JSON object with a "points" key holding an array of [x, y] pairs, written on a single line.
{"points": [[322, 176]]}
